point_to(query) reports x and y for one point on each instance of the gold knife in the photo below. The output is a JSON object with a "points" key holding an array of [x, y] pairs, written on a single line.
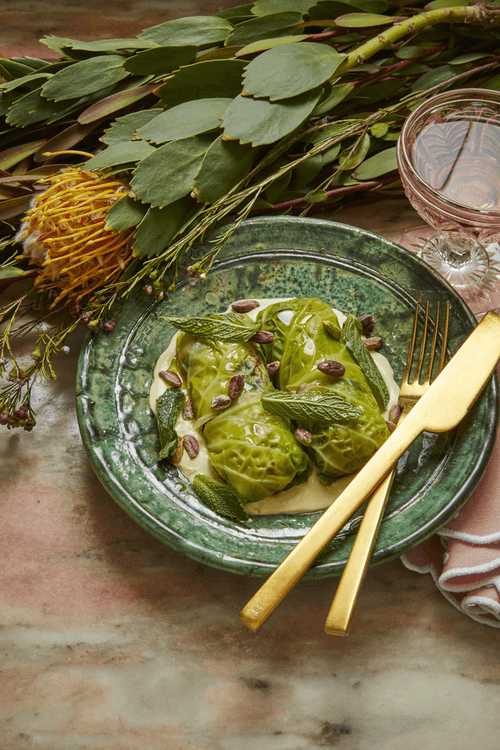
{"points": [[440, 409]]}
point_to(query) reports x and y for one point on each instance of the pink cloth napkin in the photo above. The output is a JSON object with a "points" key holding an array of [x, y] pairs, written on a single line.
{"points": [[464, 556]]}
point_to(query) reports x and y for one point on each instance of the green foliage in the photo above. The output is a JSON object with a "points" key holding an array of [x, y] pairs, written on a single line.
{"points": [[184, 120]]}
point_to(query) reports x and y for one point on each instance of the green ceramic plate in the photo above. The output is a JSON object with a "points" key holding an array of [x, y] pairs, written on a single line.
{"points": [[278, 257]]}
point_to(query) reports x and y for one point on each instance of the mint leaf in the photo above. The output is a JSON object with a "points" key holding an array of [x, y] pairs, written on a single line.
{"points": [[351, 337], [220, 498], [168, 407], [310, 406], [221, 327]]}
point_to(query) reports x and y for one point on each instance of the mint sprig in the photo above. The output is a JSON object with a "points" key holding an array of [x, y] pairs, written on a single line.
{"points": [[351, 338], [220, 498], [320, 407], [219, 327]]}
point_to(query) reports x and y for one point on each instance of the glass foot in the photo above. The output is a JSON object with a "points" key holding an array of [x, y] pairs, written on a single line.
{"points": [[464, 263]]}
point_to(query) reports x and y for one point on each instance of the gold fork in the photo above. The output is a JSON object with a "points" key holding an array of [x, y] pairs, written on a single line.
{"points": [[341, 612]]}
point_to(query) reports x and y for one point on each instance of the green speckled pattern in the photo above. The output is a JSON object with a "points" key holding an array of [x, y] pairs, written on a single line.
{"points": [[352, 270]]}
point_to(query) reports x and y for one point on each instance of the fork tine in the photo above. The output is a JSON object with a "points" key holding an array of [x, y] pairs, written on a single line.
{"points": [[423, 342], [432, 353], [444, 342], [411, 348]]}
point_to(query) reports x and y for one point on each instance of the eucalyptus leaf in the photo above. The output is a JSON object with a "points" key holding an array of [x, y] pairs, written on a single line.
{"points": [[218, 327], [124, 214], [377, 165], [259, 121], [224, 165], [169, 172], [310, 407], [207, 79], [121, 153], [160, 60], [290, 70], [85, 77], [124, 128], [184, 120], [199, 31], [159, 226], [263, 27]]}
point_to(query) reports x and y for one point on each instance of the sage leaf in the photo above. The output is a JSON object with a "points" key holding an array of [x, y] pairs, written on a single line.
{"points": [[224, 165], [290, 70], [121, 153], [379, 164], [85, 77], [124, 128], [184, 120], [220, 498], [168, 408], [168, 173], [207, 79], [124, 214], [259, 121], [351, 338], [263, 27], [199, 31], [160, 60], [160, 225], [218, 327], [310, 407]]}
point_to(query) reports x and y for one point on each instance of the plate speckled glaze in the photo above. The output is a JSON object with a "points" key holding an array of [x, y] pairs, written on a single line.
{"points": [[352, 270]]}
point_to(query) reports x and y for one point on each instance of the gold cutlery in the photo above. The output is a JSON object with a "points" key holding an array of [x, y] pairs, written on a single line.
{"points": [[441, 408], [341, 612]]}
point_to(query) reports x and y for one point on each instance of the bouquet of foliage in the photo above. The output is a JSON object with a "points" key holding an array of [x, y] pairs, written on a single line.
{"points": [[119, 159]]}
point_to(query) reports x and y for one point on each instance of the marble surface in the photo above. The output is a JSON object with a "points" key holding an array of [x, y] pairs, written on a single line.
{"points": [[111, 641]]}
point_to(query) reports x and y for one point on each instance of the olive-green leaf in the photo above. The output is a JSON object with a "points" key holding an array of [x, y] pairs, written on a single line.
{"points": [[264, 7], [464, 59], [16, 154], [169, 172], [10, 272], [224, 165], [237, 13], [30, 109], [159, 226], [356, 157], [160, 60], [124, 214], [305, 172], [334, 96], [114, 103], [188, 118], [195, 30], [316, 196], [334, 8], [207, 79], [264, 44], [433, 77], [363, 20], [263, 27], [85, 77], [124, 128], [120, 153], [290, 70], [379, 164], [107, 45], [23, 81], [259, 121]]}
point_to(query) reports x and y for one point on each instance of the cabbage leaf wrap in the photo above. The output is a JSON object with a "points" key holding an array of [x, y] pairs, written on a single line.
{"points": [[254, 451], [300, 343]]}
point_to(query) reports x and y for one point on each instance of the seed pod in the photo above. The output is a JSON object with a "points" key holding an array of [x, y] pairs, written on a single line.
{"points": [[375, 342], [191, 445], [109, 325], [303, 436], [332, 368], [170, 377], [368, 322], [220, 402], [262, 337], [244, 305], [273, 367], [395, 413], [176, 457], [148, 289], [235, 385], [187, 410]]}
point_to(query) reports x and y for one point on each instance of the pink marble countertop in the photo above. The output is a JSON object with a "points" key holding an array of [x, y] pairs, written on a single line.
{"points": [[112, 641]]}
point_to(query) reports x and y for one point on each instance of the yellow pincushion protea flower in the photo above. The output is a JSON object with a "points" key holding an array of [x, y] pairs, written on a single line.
{"points": [[64, 232]]}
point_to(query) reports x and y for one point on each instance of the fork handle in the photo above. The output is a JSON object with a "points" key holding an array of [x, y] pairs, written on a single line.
{"points": [[341, 612], [300, 559]]}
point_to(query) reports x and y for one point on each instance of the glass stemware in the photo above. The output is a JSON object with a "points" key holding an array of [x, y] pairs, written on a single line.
{"points": [[449, 162]]}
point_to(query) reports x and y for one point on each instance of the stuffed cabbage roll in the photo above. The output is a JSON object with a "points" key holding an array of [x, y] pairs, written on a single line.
{"points": [[254, 451], [306, 333]]}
